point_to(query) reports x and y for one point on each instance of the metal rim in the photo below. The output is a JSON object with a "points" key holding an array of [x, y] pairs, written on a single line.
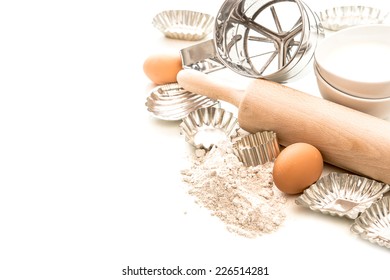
{"points": [[290, 62]]}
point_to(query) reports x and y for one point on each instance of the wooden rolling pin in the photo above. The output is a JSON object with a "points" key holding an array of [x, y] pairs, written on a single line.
{"points": [[347, 138]]}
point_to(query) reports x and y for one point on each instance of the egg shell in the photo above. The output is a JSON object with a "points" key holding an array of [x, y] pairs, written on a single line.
{"points": [[297, 167], [162, 68]]}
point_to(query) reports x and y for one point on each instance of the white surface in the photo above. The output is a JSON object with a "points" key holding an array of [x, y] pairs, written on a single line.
{"points": [[90, 182]]}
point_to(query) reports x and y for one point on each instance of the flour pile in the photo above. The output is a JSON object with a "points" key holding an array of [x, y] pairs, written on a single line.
{"points": [[244, 198]]}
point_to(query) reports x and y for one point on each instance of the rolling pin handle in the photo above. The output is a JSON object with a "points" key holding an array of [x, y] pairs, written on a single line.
{"points": [[200, 83]]}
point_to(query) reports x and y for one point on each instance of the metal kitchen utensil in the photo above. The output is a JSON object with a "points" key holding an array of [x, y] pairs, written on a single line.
{"points": [[258, 148], [342, 194], [341, 17], [274, 40], [183, 24], [171, 102], [374, 223], [206, 127]]}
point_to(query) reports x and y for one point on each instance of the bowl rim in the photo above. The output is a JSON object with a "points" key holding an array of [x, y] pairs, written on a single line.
{"points": [[352, 93], [345, 94], [319, 54]]}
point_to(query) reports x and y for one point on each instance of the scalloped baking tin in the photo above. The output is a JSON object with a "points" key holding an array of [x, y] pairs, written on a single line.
{"points": [[374, 224], [206, 127], [341, 17], [256, 149], [183, 24], [342, 194], [171, 102]]}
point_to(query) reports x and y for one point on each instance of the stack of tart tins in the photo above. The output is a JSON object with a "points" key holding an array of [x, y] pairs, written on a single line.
{"points": [[353, 197]]}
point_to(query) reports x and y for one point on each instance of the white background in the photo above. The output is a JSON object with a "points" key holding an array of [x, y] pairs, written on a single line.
{"points": [[90, 181]]}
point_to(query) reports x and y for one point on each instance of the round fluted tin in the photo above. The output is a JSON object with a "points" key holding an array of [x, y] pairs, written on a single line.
{"points": [[342, 194], [184, 24], [256, 149], [374, 224], [171, 102], [206, 127], [341, 17]]}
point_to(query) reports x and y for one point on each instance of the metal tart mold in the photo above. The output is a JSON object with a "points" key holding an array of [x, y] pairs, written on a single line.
{"points": [[374, 224], [183, 24], [206, 127], [256, 149], [341, 17], [342, 194]]}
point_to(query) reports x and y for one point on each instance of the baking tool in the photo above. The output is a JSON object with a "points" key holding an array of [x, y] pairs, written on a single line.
{"points": [[258, 148], [201, 57], [183, 24], [171, 102], [274, 40], [346, 138], [206, 127], [341, 17], [356, 60], [379, 107], [374, 224], [342, 194]]}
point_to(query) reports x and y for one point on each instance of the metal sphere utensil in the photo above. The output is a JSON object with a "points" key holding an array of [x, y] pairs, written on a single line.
{"points": [[274, 40]]}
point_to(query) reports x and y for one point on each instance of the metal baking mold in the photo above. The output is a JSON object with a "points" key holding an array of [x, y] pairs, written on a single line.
{"points": [[172, 102], [341, 17], [183, 24], [274, 40], [256, 149], [342, 194], [374, 224], [206, 127]]}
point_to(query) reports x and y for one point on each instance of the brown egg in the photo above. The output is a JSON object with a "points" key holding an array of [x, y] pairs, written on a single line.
{"points": [[297, 167], [162, 68]]}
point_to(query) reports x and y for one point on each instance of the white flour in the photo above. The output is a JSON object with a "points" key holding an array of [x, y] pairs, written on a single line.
{"points": [[244, 198]]}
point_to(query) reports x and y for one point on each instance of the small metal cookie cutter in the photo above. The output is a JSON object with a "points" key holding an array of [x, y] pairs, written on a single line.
{"points": [[258, 148], [274, 40]]}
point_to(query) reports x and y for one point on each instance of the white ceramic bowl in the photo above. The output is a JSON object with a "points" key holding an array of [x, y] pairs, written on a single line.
{"points": [[379, 107], [356, 60]]}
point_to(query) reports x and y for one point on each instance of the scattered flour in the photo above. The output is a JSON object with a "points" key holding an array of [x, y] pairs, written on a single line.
{"points": [[244, 198]]}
